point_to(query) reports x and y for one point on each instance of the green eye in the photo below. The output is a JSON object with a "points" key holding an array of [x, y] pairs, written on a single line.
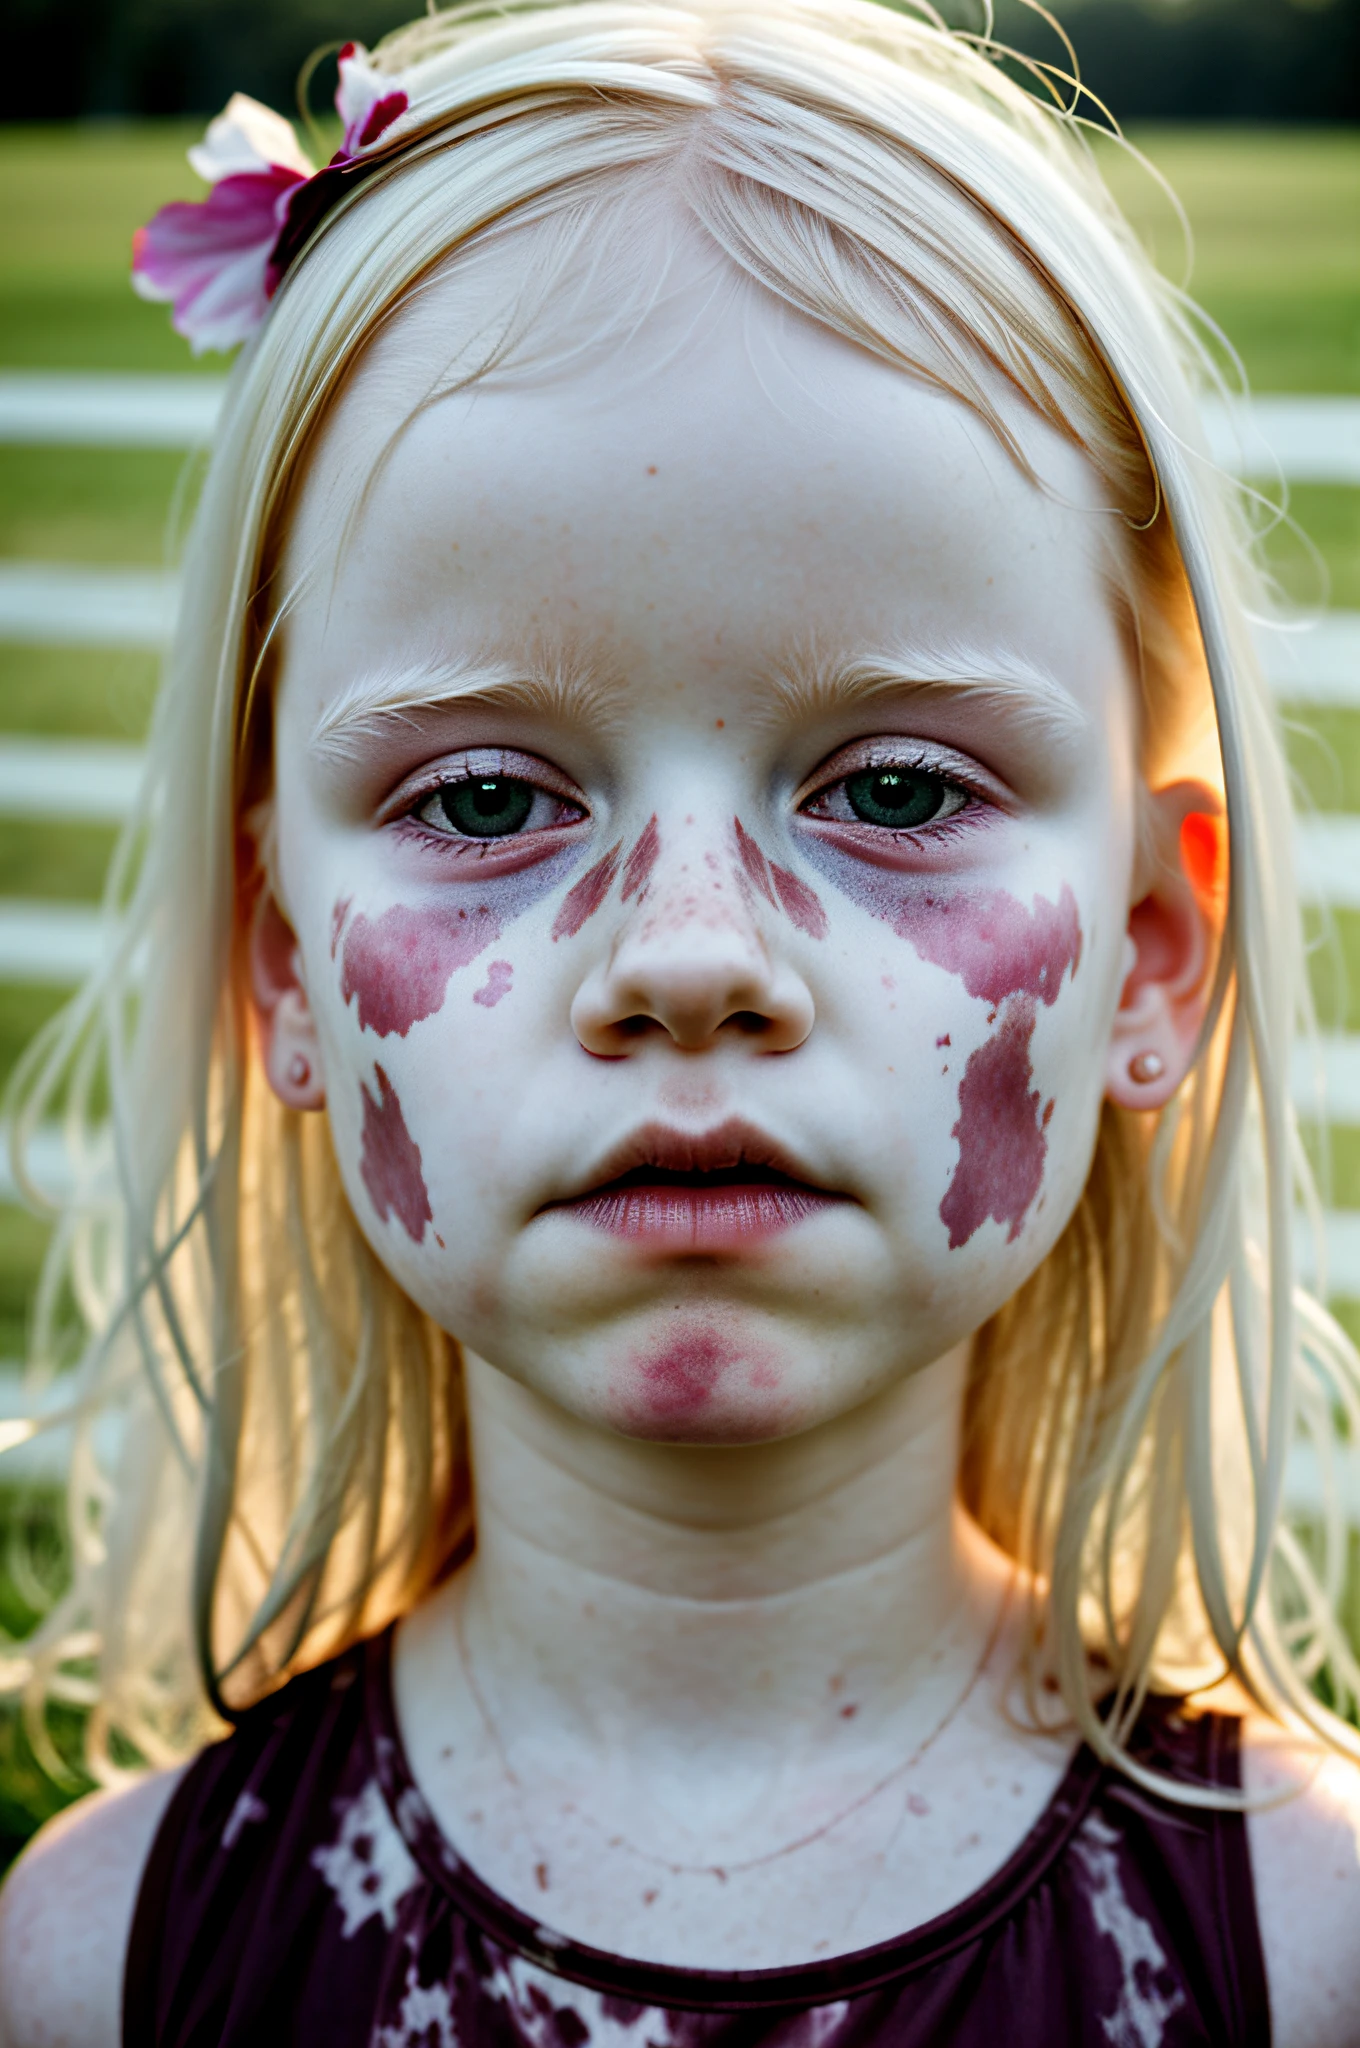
{"points": [[487, 807], [895, 797]]}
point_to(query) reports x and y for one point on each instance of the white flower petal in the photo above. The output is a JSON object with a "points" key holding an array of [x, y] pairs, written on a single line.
{"points": [[247, 137], [360, 86]]}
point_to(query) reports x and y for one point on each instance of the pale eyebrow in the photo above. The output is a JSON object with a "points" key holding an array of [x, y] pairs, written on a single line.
{"points": [[369, 706], [995, 679]]}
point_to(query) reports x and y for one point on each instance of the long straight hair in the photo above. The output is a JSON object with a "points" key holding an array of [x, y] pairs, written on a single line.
{"points": [[286, 1466]]}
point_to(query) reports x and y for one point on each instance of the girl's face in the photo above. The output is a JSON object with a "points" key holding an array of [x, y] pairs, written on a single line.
{"points": [[705, 810]]}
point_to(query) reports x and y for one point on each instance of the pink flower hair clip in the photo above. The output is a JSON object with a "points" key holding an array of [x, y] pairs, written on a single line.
{"points": [[220, 260]]}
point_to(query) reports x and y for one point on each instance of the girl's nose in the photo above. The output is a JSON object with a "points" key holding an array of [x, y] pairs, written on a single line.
{"points": [[692, 963]]}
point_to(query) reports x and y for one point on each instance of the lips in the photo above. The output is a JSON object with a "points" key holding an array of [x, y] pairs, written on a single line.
{"points": [[709, 1191]]}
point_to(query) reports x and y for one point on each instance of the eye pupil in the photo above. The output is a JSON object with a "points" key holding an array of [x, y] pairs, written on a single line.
{"points": [[489, 806], [896, 797]]}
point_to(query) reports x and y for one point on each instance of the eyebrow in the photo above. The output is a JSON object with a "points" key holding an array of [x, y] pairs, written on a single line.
{"points": [[369, 706], [1001, 680]]}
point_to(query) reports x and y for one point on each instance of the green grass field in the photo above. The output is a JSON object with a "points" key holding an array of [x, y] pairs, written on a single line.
{"points": [[1276, 219]]}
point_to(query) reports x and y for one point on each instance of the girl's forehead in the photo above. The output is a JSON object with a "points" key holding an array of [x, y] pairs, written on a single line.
{"points": [[715, 479]]}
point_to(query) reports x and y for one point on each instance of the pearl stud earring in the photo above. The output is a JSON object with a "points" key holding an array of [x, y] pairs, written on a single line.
{"points": [[1146, 1066], [299, 1070]]}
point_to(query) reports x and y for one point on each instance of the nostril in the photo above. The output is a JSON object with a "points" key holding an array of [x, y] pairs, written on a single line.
{"points": [[751, 1022]]}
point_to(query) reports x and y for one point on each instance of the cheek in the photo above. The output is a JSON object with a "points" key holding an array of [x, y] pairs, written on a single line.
{"points": [[395, 967], [389, 1162], [1000, 1133], [1013, 959], [398, 966]]}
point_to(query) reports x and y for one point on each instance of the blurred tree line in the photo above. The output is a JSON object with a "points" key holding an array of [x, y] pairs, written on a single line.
{"points": [[1234, 60]]}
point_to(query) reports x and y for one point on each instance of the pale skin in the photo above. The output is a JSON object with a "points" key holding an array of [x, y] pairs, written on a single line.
{"points": [[723, 1594]]}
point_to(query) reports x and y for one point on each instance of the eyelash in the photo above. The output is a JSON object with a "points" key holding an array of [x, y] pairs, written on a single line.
{"points": [[482, 767], [952, 776], [492, 765]]}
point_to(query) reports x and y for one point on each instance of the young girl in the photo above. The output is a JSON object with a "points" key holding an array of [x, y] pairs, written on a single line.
{"points": [[694, 1038]]}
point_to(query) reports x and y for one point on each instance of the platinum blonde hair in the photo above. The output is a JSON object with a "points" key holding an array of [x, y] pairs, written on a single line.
{"points": [[274, 1391]]}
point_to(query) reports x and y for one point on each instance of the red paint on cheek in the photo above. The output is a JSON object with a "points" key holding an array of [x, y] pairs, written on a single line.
{"points": [[339, 913], [995, 946], [1001, 1141], [754, 864], [802, 906], [498, 978], [637, 869], [399, 964], [389, 1163], [589, 893]]}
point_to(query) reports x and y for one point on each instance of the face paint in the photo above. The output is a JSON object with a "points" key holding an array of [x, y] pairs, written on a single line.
{"points": [[779, 886], [754, 863], [399, 964], [680, 1380], [389, 1163], [1001, 1140], [1004, 955], [497, 984], [637, 869], [585, 898], [802, 906]]}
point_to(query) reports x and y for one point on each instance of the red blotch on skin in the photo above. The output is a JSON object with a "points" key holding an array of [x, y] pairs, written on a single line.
{"points": [[637, 869], [802, 906], [995, 946], [589, 893], [943, 1041], [498, 978], [1001, 1142], [339, 912], [680, 1381], [399, 964], [754, 863], [1204, 856], [389, 1163]]}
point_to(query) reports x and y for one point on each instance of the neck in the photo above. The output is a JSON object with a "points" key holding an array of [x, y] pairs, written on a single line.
{"points": [[626, 1590]]}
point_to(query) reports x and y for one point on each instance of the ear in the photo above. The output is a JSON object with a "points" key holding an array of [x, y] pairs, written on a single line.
{"points": [[288, 1035], [1172, 932]]}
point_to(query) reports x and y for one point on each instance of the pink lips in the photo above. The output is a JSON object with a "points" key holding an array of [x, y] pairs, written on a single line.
{"points": [[714, 1191]]}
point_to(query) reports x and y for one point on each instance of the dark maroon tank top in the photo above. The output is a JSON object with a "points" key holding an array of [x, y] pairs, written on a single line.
{"points": [[299, 1891]]}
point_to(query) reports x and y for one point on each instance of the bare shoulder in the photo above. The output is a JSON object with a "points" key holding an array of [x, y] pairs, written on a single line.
{"points": [[65, 1916], [1305, 1853]]}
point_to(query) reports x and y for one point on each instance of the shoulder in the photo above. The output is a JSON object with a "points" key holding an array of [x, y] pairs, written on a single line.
{"points": [[1305, 1855], [65, 1915]]}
